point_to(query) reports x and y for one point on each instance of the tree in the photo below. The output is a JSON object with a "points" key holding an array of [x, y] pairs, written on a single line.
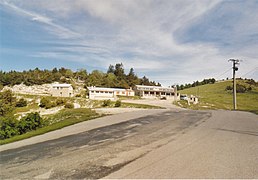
{"points": [[145, 81], [68, 73], [110, 80], [119, 71], [81, 74], [111, 69], [8, 97], [132, 79], [7, 102], [54, 71], [95, 78]]}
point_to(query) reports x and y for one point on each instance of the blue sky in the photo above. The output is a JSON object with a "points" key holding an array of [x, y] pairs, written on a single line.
{"points": [[170, 41]]}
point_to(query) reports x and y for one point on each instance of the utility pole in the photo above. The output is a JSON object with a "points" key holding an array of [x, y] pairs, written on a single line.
{"points": [[235, 68]]}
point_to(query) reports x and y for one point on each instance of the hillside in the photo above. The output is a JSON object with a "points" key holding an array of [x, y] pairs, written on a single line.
{"points": [[215, 96]]}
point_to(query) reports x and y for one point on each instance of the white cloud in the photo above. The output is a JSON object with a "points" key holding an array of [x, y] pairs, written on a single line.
{"points": [[141, 34], [51, 26]]}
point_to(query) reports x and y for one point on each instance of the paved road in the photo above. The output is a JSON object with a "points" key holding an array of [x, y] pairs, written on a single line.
{"points": [[164, 144], [224, 146]]}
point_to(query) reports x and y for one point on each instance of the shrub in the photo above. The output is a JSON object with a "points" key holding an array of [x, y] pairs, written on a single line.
{"points": [[30, 122], [5, 108], [118, 103], [60, 101], [7, 102], [106, 103], [21, 103], [8, 127], [69, 105], [229, 88], [46, 103], [78, 95], [240, 88]]}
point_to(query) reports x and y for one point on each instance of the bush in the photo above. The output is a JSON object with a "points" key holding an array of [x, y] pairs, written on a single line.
{"points": [[30, 122], [229, 88], [69, 105], [5, 108], [118, 103], [21, 103], [60, 101], [106, 103], [7, 102], [8, 127], [240, 88], [46, 103]]}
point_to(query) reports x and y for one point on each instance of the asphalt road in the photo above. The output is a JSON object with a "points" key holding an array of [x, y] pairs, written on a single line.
{"points": [[165, 144]]}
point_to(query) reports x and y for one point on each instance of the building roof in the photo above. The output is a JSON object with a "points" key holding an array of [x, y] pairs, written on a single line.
{"points": [[92, 88], [155, 88]]}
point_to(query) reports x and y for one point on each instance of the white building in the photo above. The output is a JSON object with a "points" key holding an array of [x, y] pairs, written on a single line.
{"points": [[62, 90], [108, 93], [155, 92]]}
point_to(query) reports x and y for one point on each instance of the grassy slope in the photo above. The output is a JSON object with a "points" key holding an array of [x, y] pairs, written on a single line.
{"points": [[214, 96], [62, 119], [67, 117]]}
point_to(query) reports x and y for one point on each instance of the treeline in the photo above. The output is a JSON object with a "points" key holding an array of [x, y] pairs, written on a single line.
{"points": [[114, 77], [196, 83]]}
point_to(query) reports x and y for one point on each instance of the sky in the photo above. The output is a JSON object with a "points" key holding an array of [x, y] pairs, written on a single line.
{"points": [[169, 41]]}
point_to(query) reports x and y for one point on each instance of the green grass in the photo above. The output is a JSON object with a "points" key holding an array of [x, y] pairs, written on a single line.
{"points": [[62, 119], [129, 97], [214, 96], [99, 104], [26, 108], [144, 106]]}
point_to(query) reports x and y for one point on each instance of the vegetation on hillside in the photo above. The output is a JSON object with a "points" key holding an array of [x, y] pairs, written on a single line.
{"points": [[196, 83], [114, 77], [62, 119], [9, 125], [217, 96]]}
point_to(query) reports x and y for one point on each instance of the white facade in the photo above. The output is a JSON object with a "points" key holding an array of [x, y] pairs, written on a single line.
{"points": [[155, 92], [62, 90], [108, 93]]}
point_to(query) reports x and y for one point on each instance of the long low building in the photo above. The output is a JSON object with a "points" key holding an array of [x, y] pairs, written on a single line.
{"points": [[108, 93], [155, 91]]}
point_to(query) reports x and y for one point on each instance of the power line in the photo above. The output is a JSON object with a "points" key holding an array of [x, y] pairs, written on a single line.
{"points": [[223, 73], [254, 69]]}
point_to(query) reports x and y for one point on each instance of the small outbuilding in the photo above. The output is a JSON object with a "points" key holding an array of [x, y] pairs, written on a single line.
{"points": [[62, 90]]}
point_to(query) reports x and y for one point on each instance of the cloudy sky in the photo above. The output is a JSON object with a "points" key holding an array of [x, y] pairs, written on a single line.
{"points": [[170, 41]]}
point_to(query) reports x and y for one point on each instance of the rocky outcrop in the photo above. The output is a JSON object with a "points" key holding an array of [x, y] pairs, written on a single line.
{"points": [[43, 89]]}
